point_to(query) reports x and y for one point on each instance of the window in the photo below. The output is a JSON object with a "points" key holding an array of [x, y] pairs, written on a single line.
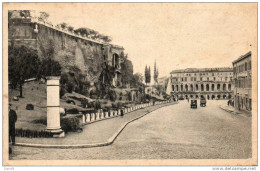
{"points": [[200, 78], [194, 78], [207, 78], [226, 78], [191, 78], [249, 65], [214, 78]]}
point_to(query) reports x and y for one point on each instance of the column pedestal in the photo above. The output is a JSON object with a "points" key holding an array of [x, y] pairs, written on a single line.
{"points": [[53, 107]]}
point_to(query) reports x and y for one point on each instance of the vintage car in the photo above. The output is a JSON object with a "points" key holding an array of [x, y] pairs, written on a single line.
{"points": [[193, 104], [203, 102], [181, 98]]}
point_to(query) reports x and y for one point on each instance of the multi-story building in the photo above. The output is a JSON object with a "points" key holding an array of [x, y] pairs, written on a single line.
{"points": [[211, 83], [243, 82]]}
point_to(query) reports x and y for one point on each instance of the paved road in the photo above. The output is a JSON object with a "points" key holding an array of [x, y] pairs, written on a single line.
{"points": [[172, 132]]}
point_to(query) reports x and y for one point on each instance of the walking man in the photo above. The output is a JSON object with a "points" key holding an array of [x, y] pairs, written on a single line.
{"points": [[12, 120]]}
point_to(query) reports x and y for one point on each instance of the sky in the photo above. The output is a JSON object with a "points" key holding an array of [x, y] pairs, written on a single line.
{"points": [[176, 35]]}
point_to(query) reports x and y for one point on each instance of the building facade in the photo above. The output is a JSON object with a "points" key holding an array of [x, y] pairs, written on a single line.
{"points": [[243, 82], [210, 83]]}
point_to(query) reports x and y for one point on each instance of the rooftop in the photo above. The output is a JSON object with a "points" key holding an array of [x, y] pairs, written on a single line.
{"points": [[242, 57], [192, 70]]}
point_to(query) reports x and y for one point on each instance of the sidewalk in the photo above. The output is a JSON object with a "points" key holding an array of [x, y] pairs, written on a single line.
{"points": [[93, 135], [232, 110]]}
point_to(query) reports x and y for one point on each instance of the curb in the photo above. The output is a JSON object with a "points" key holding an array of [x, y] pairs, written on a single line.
{"points": [[227, 110], [110, 141]]}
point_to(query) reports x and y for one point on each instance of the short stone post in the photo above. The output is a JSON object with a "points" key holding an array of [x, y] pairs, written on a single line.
{"points": [[83, 118], [53, 107]]}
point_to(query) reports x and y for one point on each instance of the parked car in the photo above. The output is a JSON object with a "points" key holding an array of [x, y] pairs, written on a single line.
{"points": [[193, 104], [203, 102], [181, 98]]}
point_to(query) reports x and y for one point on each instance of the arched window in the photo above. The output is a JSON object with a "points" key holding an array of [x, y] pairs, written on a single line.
{"points": [[186, 87], [212, 87], [207, 87], [218, 87], [202, 87], [224, 87], [115, 60], [229, 87]]}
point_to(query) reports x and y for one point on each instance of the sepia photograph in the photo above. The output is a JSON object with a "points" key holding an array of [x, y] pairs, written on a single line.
{"points": [[130, 84]]}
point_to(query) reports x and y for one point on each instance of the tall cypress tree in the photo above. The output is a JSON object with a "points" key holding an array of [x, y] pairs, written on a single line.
{"points": [[149, 75], [155, 75], [146, 74]]}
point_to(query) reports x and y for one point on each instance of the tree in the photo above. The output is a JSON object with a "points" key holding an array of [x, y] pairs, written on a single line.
{"points": [[146, 74], [63, 25], [155, 75], [126, 69], [106, 39], [49, 67], [25, 13], [44, 16], [70, 28], [23, 63], [105, 80], [83, 30], [137, 80], [149, 75]]}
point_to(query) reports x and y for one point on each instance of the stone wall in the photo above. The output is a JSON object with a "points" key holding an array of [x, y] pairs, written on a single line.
{"points": [[67, 49]]}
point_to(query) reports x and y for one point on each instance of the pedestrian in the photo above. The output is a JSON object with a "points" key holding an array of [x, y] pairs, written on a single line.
{"points": [[12, 120]]}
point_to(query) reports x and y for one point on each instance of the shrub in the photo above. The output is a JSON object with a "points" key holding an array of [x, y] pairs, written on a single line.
{"points": [[70, 124], [112, 95], [119, 105], [84, 103], [114, 105], [72, 111], [29, 107]]}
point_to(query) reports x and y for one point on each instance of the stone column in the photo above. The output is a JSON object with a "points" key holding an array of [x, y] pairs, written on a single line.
{"points": [[53, 107]]}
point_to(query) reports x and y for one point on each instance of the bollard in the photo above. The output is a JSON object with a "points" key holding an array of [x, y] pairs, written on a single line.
{"points": [[121, 112], [97, 116], [83, 118]]}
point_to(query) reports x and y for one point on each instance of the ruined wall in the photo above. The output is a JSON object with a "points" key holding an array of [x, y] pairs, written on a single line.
{"points": [[67, 49]]}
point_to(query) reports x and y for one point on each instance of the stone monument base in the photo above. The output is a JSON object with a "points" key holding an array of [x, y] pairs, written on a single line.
{"points": [[56, 133]]}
